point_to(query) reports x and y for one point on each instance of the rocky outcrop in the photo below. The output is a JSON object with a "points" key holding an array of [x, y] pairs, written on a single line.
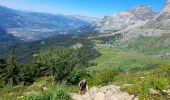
{"points": [[110, 92], [125, 19], [156, 27], [166, 8], [162, 20], [140, 21]]}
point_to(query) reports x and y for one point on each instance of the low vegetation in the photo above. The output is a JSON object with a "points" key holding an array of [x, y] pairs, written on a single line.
{"points": [[126, 60], [155, 45], [55, 72], [153, 84]]}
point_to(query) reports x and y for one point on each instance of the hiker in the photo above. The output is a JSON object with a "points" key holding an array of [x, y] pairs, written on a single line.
{"points": [[83, 87]]}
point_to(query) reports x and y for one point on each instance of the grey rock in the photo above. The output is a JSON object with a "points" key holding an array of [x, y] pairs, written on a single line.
{"points": [[125, 19]]}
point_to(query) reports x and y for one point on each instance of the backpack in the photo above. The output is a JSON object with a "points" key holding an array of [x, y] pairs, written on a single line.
{"points": [[83, 84]]}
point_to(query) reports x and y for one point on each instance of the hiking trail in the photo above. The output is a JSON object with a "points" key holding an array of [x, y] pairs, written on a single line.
{"points": [[110, 92]]}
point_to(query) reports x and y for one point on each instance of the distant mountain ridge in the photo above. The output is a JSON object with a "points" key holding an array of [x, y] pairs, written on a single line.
{"points": [[122, 20], [162, 20], [167, 7], [159, 25], [132, 23], [34, 26]]}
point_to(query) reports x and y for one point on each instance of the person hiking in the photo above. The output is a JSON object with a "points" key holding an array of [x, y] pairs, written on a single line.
{"points": [[83, 87]]}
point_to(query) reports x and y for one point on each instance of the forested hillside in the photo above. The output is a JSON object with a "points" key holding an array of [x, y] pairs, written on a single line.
{"points": [[24, 51]]}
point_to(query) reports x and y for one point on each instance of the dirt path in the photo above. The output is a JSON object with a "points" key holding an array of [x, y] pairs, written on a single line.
{"points": [[110, 92]]}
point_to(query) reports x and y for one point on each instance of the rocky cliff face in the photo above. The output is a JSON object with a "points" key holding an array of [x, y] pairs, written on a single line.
{"points": [[122, 20], [162, 20], [139, 21], [167, 7], [155, 27]]}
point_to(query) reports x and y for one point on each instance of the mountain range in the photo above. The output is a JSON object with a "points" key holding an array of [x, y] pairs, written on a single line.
{"points": [[129, 18], [30, 26], [132, 23]]}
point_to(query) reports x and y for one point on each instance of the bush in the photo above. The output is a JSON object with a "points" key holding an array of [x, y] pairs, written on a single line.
{"points": [[27, 74], [76, 75], [60, 94], [150, 81], [56, 94]]}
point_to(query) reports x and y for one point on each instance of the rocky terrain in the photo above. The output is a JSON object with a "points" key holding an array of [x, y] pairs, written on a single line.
{"points": [[139, 21], [167, 7], [155, 27], [110, 92], [126, 19]]}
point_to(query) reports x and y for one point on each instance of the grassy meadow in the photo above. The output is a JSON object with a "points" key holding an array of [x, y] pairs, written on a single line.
{"points": [[126, 60]]}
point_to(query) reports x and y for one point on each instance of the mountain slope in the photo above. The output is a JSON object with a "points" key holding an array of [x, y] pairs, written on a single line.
{"points": [[125, 19], [25, 50], [162, 21], [157, 45], [7, 38], [149, 36], [167, 7], [156, 27], [34, 26]]}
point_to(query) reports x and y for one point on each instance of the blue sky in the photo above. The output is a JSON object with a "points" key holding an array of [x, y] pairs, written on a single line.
{"points": [[81, 7]]}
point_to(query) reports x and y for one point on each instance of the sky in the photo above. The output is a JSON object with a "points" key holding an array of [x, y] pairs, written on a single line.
{"points": [[94, 8]]}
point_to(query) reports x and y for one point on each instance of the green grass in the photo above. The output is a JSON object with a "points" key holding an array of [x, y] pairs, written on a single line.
{"points": [[125, 60], [35, 90], [151, 44], [142, 64], [141, 83]]}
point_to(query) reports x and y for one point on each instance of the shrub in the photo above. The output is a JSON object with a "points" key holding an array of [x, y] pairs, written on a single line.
{"points": [[56, 94], [60, 94], [76, 75], [150, 81], [103, 78]]}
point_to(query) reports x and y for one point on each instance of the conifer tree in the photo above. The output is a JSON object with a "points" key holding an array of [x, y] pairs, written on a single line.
{"points": [[12, 70]]}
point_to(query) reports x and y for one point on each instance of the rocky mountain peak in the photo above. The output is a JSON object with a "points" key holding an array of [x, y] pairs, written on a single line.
{"points": [[140, 12], [166, 8], [125, 19], [141, 9]]}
